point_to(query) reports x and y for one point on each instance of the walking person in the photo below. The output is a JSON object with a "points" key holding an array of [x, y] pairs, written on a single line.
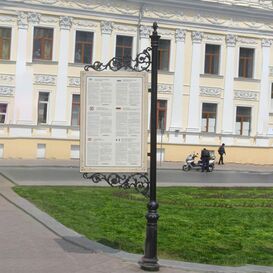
{"points": [[221, 152], [205, 156]]}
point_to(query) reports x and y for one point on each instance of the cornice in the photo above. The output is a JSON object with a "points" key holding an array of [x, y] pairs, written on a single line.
{"points": [[108, 6], [242, 16]]}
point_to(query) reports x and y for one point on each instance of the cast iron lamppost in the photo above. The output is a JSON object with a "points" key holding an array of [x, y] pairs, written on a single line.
{"points": [[149, 260], [139, 181]]}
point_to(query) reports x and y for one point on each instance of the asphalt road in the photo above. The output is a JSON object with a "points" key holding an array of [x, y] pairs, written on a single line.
{"points": [[166, 177]]}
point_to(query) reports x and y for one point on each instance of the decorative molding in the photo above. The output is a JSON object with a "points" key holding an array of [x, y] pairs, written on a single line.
{"points": [[196, 36], [144, 32], [65, 22], [49, 20], [74, 81], [210, 91], [44, 79], [106, 27], [7, 91], [155, 12], [215, 20], [7, 78], [22, 20], [247, 41], [34, 18], [231, 40], [258, 4], [175, 14], [124, 28], [180, 35], [214, 38], [7, 19], [85, 23], [245, 95], [117, 7], [266, 42], [254, 24], [166, 33], [165, 88], [208, 18]]}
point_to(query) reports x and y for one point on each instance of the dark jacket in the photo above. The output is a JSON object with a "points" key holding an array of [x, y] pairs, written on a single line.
{"points": [[205, 154], [221, 150]]}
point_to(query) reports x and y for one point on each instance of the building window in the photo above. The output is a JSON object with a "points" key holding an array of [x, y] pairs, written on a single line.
{"points": [[212, 59], [243, 121], [209, 117], [163, 55], [5, 42], [124, 45], [161, 114], [246, 62], [42, 43], [3, 112], [75, 112], [84, 47], [43, 107]]}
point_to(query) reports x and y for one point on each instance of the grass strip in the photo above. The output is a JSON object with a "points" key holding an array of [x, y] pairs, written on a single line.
{"points": [[205, 225]]}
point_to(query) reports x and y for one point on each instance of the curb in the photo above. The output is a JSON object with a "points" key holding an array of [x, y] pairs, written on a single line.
{"points": [[158, 168]]}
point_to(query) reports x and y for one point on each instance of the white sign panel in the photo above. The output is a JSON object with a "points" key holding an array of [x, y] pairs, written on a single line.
{"points": [[113, 122]]}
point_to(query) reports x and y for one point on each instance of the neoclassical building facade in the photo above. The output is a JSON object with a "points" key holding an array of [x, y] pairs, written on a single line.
{"points": [[215, 72]]}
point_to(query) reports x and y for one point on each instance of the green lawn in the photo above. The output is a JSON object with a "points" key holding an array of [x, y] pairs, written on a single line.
{"points": [[205, 225]]}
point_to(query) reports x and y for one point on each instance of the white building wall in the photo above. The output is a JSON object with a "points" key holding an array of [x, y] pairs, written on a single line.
{"points": [[182, 86]]}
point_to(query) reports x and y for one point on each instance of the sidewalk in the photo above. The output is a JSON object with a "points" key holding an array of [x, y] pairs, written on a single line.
{"points": [[32, 241], [74, 163]]}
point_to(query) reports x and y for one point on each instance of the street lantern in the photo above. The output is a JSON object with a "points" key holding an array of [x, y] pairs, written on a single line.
{"points": [[140, 181]]}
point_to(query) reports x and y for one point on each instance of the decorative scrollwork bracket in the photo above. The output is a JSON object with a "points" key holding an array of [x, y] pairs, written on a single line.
{"points": [[141, 63], [139, 181]]}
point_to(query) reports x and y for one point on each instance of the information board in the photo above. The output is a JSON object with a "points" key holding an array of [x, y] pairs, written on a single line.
{"points": [[113, 122]]}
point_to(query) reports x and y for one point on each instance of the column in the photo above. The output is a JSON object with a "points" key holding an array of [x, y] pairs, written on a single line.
{"points": [[228, 119], [264, 103], [194, 112], [106, 31], [144, 34], [177, 100], [23, 100], [60, 114]]}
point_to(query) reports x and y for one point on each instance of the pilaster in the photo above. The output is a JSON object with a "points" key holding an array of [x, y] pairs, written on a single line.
{"points": [[60, 118], [23, 101], [177, 100], [228, 119], [194, 111], [106, 31], [264, 102], [144, 35]]}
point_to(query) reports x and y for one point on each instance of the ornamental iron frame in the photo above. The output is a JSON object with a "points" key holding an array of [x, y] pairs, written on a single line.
{"points": [[139, 181]]}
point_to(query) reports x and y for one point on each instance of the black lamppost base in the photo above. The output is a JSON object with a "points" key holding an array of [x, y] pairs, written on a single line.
{"points": [[149, 264]]}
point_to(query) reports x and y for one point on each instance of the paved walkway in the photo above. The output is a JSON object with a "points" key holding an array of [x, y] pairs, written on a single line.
{"points": [[32, 241]]}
